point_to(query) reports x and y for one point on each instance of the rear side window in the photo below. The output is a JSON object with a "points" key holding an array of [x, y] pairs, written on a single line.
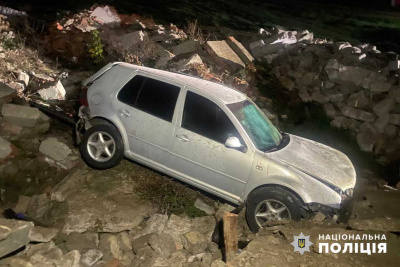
{"points": [[130, 91], [152, 96], [204, 117]]}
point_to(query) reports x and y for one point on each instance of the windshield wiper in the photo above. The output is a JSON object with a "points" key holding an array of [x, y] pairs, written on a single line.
{"points": [[281, 144]]}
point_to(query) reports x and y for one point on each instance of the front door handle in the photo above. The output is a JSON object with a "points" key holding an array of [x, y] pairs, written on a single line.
{"points": [[125, 113], [182, 137]]}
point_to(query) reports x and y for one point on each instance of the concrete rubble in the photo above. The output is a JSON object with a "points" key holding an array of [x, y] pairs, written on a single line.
{"points": [[15, 234], [223, 54]]}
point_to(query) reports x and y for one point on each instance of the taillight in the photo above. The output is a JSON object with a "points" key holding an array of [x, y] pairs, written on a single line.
{"points": [[83, 96]]}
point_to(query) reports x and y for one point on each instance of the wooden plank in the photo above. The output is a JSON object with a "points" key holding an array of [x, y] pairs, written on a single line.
{"points": [[230, 236]]}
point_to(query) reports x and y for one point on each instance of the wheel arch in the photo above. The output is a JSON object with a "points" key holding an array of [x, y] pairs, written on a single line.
{"points": [[101, 120], [275, 185]]}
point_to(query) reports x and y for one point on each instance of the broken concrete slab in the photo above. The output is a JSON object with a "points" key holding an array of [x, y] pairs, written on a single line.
{"points": [[190, 46], [42, 234], [57, 153], [204, 207], [55, 149], [17, 238], [240, 50], [22, 115], [223, 54], [105, 15], [53, 92]]}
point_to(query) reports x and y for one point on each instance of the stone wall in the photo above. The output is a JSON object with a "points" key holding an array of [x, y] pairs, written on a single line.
{"points": [[358, 86]]}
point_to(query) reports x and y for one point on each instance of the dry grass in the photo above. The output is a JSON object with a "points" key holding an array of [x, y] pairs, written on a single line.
{"points": [[194, 32], [20, 58], [143, 53]]}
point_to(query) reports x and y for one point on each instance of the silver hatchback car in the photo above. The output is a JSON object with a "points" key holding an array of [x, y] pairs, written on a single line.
{"points": [[212, 137]]}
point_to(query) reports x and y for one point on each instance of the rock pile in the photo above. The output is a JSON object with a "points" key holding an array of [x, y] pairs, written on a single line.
{"points": [[358, 86], [161, 239]]}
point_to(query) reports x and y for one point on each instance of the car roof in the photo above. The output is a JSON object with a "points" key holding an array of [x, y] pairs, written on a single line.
{"points": [[225, 94]]}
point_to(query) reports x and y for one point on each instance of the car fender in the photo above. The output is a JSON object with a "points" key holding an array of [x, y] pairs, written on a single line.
{"points": [[303, 185]]}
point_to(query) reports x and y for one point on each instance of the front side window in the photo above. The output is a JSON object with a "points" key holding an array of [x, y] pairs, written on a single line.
{"points": [[204, 117], [151, 96], [261, 131]]}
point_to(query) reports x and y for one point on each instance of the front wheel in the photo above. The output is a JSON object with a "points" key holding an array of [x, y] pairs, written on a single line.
{"points": [[271, 203], [102, 146]]}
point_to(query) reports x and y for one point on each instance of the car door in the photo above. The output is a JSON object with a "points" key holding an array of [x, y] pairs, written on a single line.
{"points": [[198, 148], [146, 108]]}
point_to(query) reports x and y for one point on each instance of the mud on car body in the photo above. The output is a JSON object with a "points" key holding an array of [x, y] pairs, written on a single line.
{"points": [[211, 137]]}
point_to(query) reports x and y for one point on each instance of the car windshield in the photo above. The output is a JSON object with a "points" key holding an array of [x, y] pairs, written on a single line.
{"points": [[261, 131]]}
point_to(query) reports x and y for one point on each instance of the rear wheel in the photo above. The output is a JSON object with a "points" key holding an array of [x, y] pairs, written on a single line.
{"points": [[102, 146], [271, 203]]}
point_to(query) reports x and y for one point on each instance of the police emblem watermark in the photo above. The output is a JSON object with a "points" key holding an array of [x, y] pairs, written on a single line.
{"points": [[301, 243]]}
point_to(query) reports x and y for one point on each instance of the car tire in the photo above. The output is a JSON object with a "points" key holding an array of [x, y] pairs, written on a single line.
{"points": [[93, 147], [271, 203]]}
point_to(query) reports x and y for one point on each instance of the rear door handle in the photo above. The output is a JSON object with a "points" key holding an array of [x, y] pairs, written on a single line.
{"points": [[125, 113], [182, 137]]}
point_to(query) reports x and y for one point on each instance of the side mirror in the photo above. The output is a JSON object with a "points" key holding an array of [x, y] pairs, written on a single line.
{"points": [[234, 143]]}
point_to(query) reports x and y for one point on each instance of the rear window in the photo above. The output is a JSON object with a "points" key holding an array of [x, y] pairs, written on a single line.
{"points": [[151, 96]]}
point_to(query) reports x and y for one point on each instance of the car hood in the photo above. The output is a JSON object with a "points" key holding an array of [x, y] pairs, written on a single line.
{"points": [[319, 161]]}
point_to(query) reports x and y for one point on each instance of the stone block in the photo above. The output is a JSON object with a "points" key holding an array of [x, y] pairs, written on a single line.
{"points": [[240, 50], [221, 52], [17, 237]]}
